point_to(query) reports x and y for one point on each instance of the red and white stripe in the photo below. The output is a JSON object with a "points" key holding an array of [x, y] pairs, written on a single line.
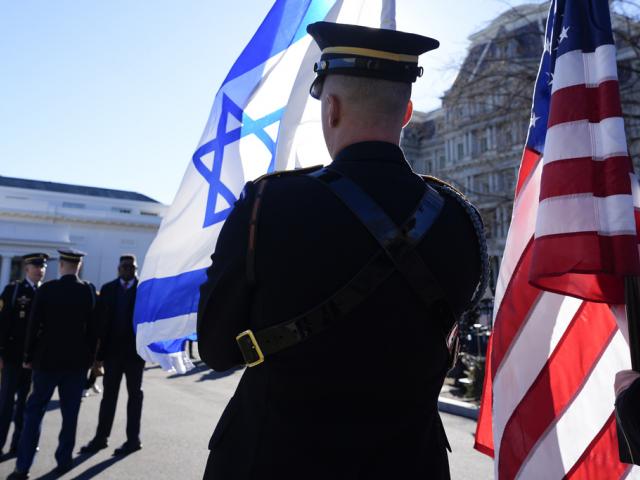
{"points": [[547, 410]]}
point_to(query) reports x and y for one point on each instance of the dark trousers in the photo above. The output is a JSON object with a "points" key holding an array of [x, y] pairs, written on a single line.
{"points": [[114, 369], [70, 385], [14, 388]]}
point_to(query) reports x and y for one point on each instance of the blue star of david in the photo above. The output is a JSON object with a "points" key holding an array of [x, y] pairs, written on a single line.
{"points": [[223, 138]]}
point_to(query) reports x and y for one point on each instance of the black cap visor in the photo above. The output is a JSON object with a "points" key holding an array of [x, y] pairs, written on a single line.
{"points": [[315, 90], [40, 262]]}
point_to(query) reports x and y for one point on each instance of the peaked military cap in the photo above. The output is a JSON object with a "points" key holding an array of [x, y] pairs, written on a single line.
{"points": [[367, 52], [71, 255], [37, 259]]}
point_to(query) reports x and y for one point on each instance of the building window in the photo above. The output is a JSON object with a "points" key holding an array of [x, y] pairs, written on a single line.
{"points": [[507, 136], [503, 217], [484, 144], [505, 180], [16, 269], [121, 210], [481, 183], [499, 223], [73, 205], [149, 214], [460, 151]]}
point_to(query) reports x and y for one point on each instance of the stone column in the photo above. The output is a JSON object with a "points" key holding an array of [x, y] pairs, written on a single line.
{"points": [[5, 270]]}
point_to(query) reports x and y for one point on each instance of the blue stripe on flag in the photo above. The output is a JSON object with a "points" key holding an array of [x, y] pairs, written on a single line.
{"points": [[168, 297], [285, 24]]}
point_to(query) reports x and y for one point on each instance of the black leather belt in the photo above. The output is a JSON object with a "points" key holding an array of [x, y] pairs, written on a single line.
{"points": [[397, 254]]}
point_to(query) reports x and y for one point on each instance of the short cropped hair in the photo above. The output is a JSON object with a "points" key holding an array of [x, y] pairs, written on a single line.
{"points": [[128, 257], [70, 261], [376, 98]]}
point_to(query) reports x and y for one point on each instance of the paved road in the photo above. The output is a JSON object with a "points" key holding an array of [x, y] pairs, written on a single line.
{"points": [[178, 418]]}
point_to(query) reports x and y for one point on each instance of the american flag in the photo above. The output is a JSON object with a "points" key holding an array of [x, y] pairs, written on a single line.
{"points": [[547, 407]]}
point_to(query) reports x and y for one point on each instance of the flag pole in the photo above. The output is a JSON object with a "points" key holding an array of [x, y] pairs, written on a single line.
{"points": [[632, 300], [388, 14]]}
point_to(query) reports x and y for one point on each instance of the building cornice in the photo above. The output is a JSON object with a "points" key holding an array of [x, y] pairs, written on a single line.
{"points": [[91, 217]]}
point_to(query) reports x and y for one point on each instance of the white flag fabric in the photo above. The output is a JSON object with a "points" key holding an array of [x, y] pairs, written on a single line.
{"points": [[262, 120]]}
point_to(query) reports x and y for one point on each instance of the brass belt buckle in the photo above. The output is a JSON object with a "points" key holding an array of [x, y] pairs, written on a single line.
{"points": [[249, 348]]}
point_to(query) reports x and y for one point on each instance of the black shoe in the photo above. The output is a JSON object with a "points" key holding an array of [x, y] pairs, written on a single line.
{"points": [[62, 469], [16, 475], [127, 448], [94, 446]]}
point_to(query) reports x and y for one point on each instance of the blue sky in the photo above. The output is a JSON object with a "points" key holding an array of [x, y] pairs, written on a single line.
{"points": [[116, 94]]}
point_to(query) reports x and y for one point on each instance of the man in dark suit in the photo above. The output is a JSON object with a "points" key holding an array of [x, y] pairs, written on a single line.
{"points": [[15, 305], [338, 287], [117, 352], [59, 347]]}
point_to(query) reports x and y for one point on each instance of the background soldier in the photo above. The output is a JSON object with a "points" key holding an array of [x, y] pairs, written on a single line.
{"points": [[60, 347], [338, 287], [15, 305], [117, 351]]}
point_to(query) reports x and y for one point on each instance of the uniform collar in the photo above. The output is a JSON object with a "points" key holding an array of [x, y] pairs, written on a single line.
{"points": [[372, 152], [30, 283], [70, 276]]}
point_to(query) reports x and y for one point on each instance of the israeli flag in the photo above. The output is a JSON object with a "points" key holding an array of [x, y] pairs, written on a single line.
{"points": [[262, 120]]}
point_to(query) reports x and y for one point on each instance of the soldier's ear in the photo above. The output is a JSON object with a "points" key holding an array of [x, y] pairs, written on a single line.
{"points": [[407, 114], [333, 110]]}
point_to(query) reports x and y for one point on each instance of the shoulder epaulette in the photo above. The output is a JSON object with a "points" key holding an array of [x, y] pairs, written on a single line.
{"points": [[441, 183], [8, 286], [478, 225], [288, 173]]}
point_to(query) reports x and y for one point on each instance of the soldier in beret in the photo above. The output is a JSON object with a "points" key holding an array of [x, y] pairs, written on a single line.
{"points": [[15, 305], [60, 347], [340, 288]]}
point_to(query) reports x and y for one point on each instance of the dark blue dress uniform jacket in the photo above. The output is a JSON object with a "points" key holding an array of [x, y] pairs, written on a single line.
{"points": [[360, 399], [14, 315], [61, 334]]}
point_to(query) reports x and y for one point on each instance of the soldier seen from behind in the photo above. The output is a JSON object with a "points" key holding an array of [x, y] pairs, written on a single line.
{"points": [[15, 305], [60, 347], [340, 288], [117, 353]]}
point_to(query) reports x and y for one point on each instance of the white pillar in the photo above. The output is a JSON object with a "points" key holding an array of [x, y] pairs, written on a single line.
{"points": [[5, 270]]}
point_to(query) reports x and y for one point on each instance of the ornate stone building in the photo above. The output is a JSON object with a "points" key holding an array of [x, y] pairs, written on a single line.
{"points": [[475, 140]]}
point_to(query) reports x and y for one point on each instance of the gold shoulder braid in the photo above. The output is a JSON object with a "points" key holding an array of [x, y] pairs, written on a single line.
{"points": [[441, 183], [478, 225]]}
